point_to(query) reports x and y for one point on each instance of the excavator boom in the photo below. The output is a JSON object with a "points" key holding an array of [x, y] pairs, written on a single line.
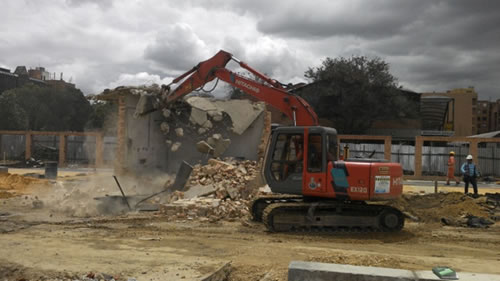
{"points": [[271, 91]]}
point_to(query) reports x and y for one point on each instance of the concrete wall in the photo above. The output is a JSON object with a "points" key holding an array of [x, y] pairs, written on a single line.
{"points": [[244, 146], [146, 148]]}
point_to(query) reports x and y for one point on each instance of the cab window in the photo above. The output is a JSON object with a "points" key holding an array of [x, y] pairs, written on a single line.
{"points": [[315, 153], [332, 147], [288, 157]]}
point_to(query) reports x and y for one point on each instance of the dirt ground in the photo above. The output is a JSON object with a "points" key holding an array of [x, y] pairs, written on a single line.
{"points": [[44, 243]]}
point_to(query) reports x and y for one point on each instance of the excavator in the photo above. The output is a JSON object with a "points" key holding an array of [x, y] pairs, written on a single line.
{"points": [[313, 190]]}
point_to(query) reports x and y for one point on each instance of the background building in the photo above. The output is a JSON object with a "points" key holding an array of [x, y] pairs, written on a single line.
{"points": [[22, 76], [461, 116], [488, 118]]}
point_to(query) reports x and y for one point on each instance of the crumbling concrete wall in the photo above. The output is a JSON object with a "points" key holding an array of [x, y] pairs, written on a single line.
{"points": [[146, 149], [160, 136]]}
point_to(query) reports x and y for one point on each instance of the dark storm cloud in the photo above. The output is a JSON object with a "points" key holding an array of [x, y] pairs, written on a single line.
{"points": [[430, 45], [176, 48]]}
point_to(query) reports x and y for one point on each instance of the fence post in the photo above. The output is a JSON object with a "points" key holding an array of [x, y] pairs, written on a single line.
{"points": [[62, 149], [418, 156], [27, 153], [387, 148]]}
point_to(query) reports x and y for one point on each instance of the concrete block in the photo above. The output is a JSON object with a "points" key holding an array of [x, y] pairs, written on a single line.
{"points": [[313, 271], [198, 191]]}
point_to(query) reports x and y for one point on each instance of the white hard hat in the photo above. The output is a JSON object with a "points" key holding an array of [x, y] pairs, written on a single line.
{"points": [[469, 157]]}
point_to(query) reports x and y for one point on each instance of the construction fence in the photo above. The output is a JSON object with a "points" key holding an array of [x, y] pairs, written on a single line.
{"points": [[77, 148], [434, 158], [92, 148]]}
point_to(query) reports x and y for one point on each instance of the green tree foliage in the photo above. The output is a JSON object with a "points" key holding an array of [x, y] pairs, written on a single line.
{"points": [[103, 116], [353, 92], [100, 112], [43, 109]]}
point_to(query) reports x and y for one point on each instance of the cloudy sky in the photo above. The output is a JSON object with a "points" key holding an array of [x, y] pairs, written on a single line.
{"points": [[430, 45]]}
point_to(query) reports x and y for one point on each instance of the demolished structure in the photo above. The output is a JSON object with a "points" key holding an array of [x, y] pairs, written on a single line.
{"points": [[156, 137]]}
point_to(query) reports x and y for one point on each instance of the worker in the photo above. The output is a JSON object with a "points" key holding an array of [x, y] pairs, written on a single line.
{"points": [[451, 169], [470, 172]]}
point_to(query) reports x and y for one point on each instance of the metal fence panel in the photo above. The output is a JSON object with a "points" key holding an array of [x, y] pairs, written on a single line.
{"points": [[12, 147], [363, 150], [405, 155]]}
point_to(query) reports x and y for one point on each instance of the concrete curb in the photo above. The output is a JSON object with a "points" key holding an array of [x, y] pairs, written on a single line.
{"points": [[314, 271]]}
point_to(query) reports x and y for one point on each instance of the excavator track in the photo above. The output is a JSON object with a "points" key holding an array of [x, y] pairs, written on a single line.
{"points": [[260, 203], [331, 216]]}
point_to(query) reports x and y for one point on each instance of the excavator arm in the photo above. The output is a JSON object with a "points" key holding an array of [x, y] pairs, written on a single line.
{"points": [[271, 92]]}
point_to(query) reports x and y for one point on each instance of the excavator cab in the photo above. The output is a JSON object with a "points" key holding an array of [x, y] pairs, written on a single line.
{"points": [[298, 158]]}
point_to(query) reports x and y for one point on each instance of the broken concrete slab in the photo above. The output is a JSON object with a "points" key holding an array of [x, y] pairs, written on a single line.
{"points": [[221, 146], [298, 270], [204, 147], [202, 104], [198, 116], [216, 115], [144, 106], [199, 191], [241, 112]]}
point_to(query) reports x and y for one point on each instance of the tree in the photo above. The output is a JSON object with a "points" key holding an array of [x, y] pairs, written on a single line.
{"points": [[38, 108], [103, 116], [354, 92]]}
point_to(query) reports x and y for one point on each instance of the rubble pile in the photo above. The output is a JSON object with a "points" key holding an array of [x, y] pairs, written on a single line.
{"points": [[491, 203], [218, 190], [229, 178]]}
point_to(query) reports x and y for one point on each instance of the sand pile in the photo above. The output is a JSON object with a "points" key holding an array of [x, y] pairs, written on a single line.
{"points": [[17, 184], [434, 207]]}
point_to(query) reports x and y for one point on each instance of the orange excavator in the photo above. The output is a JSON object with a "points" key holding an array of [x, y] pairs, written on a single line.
{"points": [[313, 189]]}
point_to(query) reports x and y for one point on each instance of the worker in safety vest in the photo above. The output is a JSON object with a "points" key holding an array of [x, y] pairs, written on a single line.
{"points": [[451, 169], [470, 172]]}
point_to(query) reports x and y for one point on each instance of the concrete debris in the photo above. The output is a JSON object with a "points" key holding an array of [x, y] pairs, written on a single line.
{"points": [[198, 117], [241, 112], [219, 190], [216, 115], [166, 112], [179, 132], [168, 142], [219, 144], [199, 191], [144, 106], [207, 125], [175, 146], [164, 127], [201, 131], [204, 147]]}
